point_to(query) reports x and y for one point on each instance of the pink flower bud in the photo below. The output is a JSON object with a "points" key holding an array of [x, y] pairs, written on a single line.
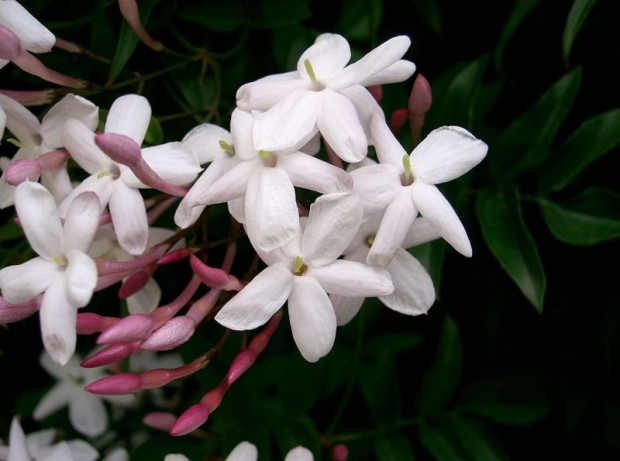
{"points": [[134, 283], [214, 277], [376, 91], [124, 383], [421, 97], [53, 159], [398, 120], [120, 148], [340, 452], [159, 420], [10, 45], [110, 354], [30, 98], [89, 323], [172, 334], [175, 255], [19, 171], [132, 328], [192, 418], [242, 362], [15, 312], [129, 10]]}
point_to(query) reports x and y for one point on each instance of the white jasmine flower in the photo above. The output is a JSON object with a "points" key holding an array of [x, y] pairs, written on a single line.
{"points": [[63, 272], [324, 95], [246, 451], [115, 184], [36, 138], [404, 185], [303, 272], [87, 413]]}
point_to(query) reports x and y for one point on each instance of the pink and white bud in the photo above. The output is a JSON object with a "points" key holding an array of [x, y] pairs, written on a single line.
{"points": [[242, 363], [191, 419], [134, 283], [421, 96], [171, 335], [31, 98], [105, 267], [124, 383], [134, 327], [88, 323], [175, 255], [21, 170], [129, 10], [14, 312], [214, 277], [10, 45], [159, 420], [110, 354], [28, 63]]}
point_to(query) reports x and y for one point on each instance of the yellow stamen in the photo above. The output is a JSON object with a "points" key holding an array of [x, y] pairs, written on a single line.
{"points": [[227, 148], [407, 167], [103, 174], [264, 154], [311, 73]]}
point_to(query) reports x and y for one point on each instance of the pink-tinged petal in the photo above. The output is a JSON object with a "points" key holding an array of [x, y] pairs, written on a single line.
{"points": [[389, 150], [87, 414], [245, 451], [81, 222], [79, 140], [81, 278], [332, 223], [437, 210], [71, 106], [39, 218], [55, 399], [289, 124], [396, 222], [130, 115], [329, 54], [264, 93], [340, 125], [20, 121], [144, 300], [241, 124], [25, 281], [312, 317], [101, 185], [377, 185], [271, 215], [129, 218], [420, 232], [299, 454], [372, 63], [446, 153], [400, 71], [414, 292], [350, 278], [365, 106], [34, 36], [58, 321], [346, 308], [204, 142], [314, 174], [18, 449], [259, 300]]}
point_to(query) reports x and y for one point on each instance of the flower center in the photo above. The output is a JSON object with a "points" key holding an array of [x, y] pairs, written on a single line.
{"points": [[230, 150], [370, 240], [407, 178], [267, 158], [316, 85], [299, 268]]}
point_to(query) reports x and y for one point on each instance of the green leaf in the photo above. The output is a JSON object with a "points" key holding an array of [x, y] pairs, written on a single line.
{"points": [[510, 241], [477, 440], [360, 19], [439, 441], [590, 141], [444, 375], [584, 224], [576, 18], [379, 385], [222, 16], [527, 142], [10, 231], [519, 13], [154, 133], [280, 13], [395, 447], [127, 41]]}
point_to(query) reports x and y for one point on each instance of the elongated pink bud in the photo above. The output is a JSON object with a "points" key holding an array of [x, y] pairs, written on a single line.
{"points": [[110, 354], [105, 267], [14, 312], [28, 63], [172, 334], [214, 277], [10, 45], [134, 327], [134, 283], [53, 159], [159, 420], [68, 46], [30, 98], [124, 150], [192, 418], [421, 96], [89, 323], [175, 255], [124, 383], [398, 119], [129, 10], [21, 170], [242, 363]]}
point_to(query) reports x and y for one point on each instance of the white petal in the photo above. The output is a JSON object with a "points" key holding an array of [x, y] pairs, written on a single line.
{"points": [[81, 277], [421, 231], [312, 317], [117, 454], [365, 106], [71, 106], [245, 451], [58, 319], [236, 208], [81, 222], [34, 36], [25, 281], [259, 300], [414, 292], [396, 222], [2, 122], [59, 452], [176, 457], [204, 142], [129, 218], [377, 185], [82, 451], [299, 454], [346, 308], [79, 140], [55, 399], [61, 372], [314, 174], [241, 125], [39, 442], [446, 153], [18, 450], [217, 185], [372, 63], [102, 186], [340, 125], [130, 115], [271, 215], [328, 56], [87, 414], [172, 163], [332, 223], [289, 124], [145, 299], [438, 211], [264, 93], [20, 121], [350, 278], [39, 218], [400, 71], [389, 150], [57, 182]]}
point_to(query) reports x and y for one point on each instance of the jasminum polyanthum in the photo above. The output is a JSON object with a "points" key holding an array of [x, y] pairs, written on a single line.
{"points": [[246, 451]]}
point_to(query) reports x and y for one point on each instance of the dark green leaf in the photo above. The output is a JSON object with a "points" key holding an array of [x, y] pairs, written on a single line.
{"points": [[395, 447], [584, 224], [439, 441], [576, 17], [154, 133], [443, 376], [280, 13], [379, 385], [510, 241], [477, 440], [527, 142], [392, 343], [590, 141], [519, 13], [10, 231], [432, 255], [219, 16], [360, 19]]}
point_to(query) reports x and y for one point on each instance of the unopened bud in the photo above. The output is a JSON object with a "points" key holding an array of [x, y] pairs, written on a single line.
{"points": [[10, 45], [124, 383], [192, 418]]}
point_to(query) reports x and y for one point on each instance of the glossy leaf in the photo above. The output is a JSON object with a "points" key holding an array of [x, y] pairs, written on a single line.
{"points": [[379, 386], [395, 447], [477, 440], [576, 17], [508, 238], [440, 442], [154, 133]]}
